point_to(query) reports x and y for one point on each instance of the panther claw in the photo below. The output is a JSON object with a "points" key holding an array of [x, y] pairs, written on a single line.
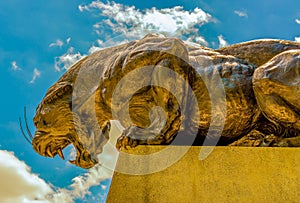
{"points": [[265, 143], [125, 142]]}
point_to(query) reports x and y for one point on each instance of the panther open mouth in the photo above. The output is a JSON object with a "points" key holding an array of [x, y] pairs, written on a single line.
{"points": [[49, 145]]}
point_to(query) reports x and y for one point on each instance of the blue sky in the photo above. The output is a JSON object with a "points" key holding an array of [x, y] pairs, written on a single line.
{"points": [[39, 40]]}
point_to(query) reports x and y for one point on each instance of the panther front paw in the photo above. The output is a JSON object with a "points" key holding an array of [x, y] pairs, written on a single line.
{"points": [[125, 141]]}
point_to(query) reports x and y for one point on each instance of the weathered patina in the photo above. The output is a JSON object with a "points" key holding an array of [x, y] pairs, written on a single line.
{"points": [[260, 79]]}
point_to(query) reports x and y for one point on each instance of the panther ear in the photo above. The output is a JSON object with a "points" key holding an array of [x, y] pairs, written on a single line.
{"points": [[58, 91]]}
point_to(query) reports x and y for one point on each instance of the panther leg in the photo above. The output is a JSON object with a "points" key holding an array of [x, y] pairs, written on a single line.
{"points": [[133, 136], [255, 138], [276, 86], [288, 142], [153, 135]]}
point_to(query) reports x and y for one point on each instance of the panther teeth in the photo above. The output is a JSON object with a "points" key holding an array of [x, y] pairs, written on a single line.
{"points": [[49, 152], [60, 153]]}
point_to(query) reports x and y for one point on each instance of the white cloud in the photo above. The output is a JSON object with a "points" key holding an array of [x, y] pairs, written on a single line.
{"points": [[129, 21], [82, 184], [198, 40], [241, 13], [65, 61], [82, 8], [57, 43], [36, 74], [68, 40], [14, 66], [297, 39], [80, 187], [96, 48], [222, 41], [297, 21], [18, 184]]}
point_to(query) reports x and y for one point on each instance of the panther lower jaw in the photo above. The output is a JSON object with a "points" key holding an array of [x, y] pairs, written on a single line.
{"points": [[84, 160], [44, 144], [83, 157]]}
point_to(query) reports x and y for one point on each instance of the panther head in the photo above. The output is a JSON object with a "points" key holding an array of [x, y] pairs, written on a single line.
{"points": [[57, 126]]}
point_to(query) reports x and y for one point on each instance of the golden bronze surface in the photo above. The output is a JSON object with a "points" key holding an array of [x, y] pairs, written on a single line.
{"points": [[260, 105]]}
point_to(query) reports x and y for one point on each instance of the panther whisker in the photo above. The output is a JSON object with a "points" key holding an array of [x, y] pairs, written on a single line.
{"points": [[26, 124], [23, 133]]}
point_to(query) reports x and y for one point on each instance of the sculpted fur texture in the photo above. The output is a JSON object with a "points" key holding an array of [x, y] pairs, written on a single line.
{"points": [[245, 95]]}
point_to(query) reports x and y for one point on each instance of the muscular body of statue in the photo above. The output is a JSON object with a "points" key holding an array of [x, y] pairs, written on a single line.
{"points": [[257, 84]]}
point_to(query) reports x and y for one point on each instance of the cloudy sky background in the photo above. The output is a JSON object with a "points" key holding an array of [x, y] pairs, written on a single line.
{"points": [[40, 40]]}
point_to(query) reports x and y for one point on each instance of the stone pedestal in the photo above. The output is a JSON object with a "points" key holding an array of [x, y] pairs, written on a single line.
{"points": [[228, 174]]}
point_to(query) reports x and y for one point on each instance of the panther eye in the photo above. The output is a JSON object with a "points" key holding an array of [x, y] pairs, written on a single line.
{"points": [[44, 122]]}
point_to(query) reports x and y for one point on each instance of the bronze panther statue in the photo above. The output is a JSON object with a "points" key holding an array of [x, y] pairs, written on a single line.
{"points": [[260, 79]]}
